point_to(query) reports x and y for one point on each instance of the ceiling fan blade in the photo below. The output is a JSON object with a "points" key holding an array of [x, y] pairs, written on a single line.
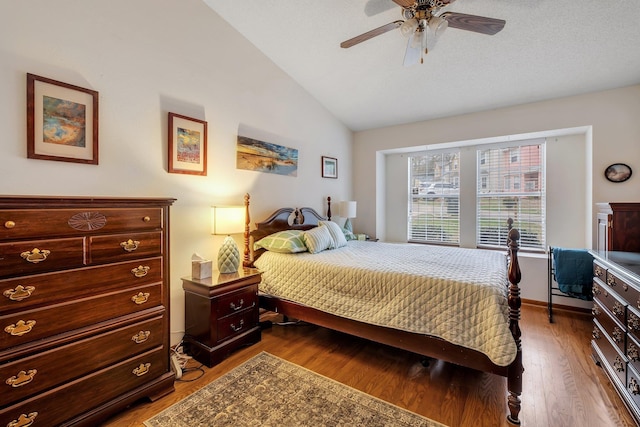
{"points": [[478, 24], [374, 7], [370, 34], [404, 3]]}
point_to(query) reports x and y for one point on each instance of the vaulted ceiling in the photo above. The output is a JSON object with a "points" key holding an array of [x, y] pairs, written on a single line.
{"points": [[547, 49]]}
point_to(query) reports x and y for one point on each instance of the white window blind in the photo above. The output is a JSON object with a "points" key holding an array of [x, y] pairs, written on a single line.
{"points": [[510, 184], [434, 203]]}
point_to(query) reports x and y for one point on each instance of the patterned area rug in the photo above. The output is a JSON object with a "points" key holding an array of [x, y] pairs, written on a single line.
{"points": [[269, 391]]}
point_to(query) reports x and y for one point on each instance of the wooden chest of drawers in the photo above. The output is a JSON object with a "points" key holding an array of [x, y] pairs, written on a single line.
{"points": [[221, 314], [84, 307], [616, 318]]}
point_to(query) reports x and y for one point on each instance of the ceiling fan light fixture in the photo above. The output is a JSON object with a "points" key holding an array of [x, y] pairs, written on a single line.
{"points": [[409, 27], [438, 25]]}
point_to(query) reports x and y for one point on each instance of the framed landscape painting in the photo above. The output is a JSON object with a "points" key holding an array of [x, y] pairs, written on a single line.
{"points": [[62, 121], [187, 145]]}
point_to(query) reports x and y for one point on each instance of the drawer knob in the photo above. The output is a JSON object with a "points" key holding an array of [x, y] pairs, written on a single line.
{"points": [[141, 370], [141, 298], [634, 388], [9, 224], [632, 352], [24, 420], [141, 337], [20, 328], [23, 378], [140, 271], [237, 307], [239, 327], [130, 245], [618, 364], [36, 255], [146, 219], [19, 293]]}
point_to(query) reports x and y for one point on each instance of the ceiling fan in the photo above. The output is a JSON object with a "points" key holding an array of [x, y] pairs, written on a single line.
{"points": [[422, 26]]}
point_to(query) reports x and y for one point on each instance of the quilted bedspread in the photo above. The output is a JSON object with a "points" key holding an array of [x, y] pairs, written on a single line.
{"points": [[457, 294]]}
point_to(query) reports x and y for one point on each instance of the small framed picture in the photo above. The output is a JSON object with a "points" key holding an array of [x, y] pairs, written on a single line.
{"points": [[618, 172], [62, 121], [329, 167], [187, 145]]}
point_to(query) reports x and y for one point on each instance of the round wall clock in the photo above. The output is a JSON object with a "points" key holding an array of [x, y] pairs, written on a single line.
{"points": [[618, 172]]}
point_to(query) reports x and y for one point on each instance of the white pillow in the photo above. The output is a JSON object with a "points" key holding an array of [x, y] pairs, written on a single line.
{"points": [[318, 239], [336, 234]]}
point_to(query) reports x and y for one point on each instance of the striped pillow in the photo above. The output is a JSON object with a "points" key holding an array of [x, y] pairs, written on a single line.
{"points": [[286, 242], [318, 239], [339, 240]]}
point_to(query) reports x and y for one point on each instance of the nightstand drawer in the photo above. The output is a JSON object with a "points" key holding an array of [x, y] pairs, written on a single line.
{"points": [[40, 323], [31, 375], [236, 324], [123, 247], [237, 301], [29, 291], [39, 256]]}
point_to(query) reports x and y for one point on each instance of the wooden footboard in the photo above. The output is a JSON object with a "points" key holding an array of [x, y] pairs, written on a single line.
{"points": [[421, 344]]}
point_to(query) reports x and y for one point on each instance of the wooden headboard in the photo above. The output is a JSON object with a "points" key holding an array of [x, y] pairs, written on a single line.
{"points": [[280, 220]]}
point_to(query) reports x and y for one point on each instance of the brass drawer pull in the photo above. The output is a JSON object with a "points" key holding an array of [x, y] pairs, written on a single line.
{"points": [[20, 328], [595, 310], [633, 322], [141, 370], [23, 378], [140, 271], [617, 334], [9, 224], [36, 255], [618, 365], [237, 307], [633, 353], [130, 245], [611, 281], [598, 271], [237, 328], [618, 309], [141, 337], [596, 289], [19, 293], [634, 388], [141, 298], [24, 420], [595, 334]]}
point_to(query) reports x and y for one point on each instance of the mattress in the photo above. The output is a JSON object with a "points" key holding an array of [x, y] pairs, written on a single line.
{"points": [[457, 294]]}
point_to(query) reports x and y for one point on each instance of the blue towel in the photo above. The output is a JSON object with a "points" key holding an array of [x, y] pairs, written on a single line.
{"points": [[574, 272]]}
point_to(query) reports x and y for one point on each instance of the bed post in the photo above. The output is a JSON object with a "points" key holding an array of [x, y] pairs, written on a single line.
{"points": [[329, 208], [514, 377], [247, 220]]}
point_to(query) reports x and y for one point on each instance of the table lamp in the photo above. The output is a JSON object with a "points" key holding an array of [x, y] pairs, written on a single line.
{"points": [[348, 211], [227, 220]]}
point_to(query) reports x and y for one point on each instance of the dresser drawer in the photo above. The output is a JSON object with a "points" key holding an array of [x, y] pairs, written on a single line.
{"points": [[237, 301], [236, 324], [633, 386], [633, 351], [40, 323], [29, 223], [610, 299], [623, 287], [62, 403], [30, 291], [611, 326], [613, 358], [31, 375], [123, 247], [37, 256]]}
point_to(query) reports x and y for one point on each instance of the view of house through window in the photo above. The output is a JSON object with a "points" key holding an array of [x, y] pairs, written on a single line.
{"points": [[509, 180]]}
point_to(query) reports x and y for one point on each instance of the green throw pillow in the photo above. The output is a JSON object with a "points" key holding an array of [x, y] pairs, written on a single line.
{"points": [[286, 242]]}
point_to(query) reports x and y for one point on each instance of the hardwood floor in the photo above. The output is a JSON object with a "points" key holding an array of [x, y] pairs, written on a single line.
{"points": [[562, 385]]}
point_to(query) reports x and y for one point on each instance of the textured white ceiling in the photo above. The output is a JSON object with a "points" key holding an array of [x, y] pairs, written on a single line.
{"points": [[548, 49]]}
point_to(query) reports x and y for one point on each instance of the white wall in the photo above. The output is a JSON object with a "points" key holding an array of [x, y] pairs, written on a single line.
{"points": [[603, 128], [147, 58]]}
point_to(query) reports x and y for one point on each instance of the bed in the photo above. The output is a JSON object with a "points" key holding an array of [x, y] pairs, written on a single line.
{"points": [[457, 305]]}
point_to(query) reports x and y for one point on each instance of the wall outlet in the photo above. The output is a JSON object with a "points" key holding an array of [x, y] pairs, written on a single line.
{"points": [[175, 366]]}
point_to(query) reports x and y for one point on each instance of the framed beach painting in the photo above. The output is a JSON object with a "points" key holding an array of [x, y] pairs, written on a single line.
{"points": [[62, 121], [187, 145]]}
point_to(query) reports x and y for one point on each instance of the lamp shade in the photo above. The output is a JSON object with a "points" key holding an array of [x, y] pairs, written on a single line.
{"points": [[227, 219], [348, 209]]}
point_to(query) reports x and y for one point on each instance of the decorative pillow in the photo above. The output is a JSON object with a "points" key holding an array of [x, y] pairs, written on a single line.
{"points": [[286, 242], [349, 235], [318, 239], [337, 235]]}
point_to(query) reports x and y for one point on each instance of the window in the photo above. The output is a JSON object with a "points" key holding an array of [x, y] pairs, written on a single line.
{"points": [[434, 201], [500, 196]]}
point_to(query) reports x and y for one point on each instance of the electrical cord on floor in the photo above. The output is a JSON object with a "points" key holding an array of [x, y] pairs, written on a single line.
{"points": [[180, 361]]}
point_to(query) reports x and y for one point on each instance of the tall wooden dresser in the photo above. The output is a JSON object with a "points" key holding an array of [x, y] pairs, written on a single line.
{"points": [[84, 307]]}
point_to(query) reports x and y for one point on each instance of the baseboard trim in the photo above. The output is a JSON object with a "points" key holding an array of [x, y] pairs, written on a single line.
{"points": [[562, 307]]}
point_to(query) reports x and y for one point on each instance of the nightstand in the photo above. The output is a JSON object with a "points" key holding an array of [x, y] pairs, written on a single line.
{"points": [[221, 314]]}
